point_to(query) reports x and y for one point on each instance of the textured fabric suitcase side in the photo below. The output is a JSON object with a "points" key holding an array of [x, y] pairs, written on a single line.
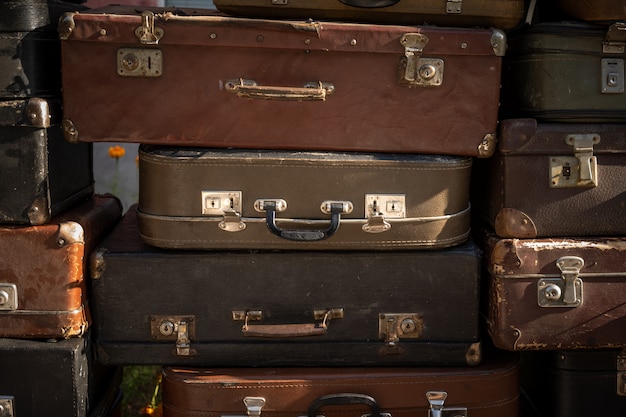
{"points": [[491, 389], [45, 280], [334, 308], [301, 200]]}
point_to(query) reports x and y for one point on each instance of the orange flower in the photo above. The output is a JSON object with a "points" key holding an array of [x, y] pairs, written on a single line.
{"points": [[116, 151]]}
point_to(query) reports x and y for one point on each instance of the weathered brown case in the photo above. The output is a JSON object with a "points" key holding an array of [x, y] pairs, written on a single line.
{"points": [[488, 390], [553, 180], [44, 279], [502, 14], [597, 11], [284, 308], [185, 78], [554, 293], [199, 198]]}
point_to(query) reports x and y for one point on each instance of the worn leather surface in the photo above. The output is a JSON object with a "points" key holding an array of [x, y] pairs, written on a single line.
{"points": [[490, 389], [287, 54], [512, 190], [48, 266]]}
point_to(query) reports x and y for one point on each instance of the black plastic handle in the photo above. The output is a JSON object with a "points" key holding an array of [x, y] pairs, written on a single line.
{"points": [[344, 399], [371, 4], [303, 235]]}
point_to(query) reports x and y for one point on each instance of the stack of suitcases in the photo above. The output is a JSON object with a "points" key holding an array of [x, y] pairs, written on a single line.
{"points": [[552, 202], [345, 208], [50, 221]]}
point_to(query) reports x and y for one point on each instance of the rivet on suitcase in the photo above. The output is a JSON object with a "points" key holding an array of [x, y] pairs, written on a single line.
{"points": [[283, 308], [198, 198], [43, 287], [277, 84]]}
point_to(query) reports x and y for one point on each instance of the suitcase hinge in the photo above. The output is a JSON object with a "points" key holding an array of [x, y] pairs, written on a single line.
{"points": [[253, 407], [8, 299], [6, 406], [436, 400], [147, 33], [615, 39], [580, 170], [395, 326], [176, 328], [566, 291], [454, 6], [418, 71], [621, 373]]}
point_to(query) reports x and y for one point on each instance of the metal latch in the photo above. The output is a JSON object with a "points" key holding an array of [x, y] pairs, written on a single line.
{"points": [[6, 406], [226, 204], [280, 2], [566, 291], [621, 373], [139, 62], [454, 6], [436, 400], [147, 33], [418, 71], [615, 39], [580, 170], [253, 407], [612, 76], [8, 298], [395, 326], [181, 329]]}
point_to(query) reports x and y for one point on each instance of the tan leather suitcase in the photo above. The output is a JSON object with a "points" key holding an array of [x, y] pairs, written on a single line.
{"points": [[184, 77], [488, 390], [597, 11], [43, 287], [501, 14], [198, 198], [554, 293]]}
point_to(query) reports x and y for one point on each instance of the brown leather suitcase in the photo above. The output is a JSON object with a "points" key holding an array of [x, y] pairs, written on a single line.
{"points": [[553, 179], [185, 78], [598, 11], [283, 308], [554, 293], [488, 390], [301, 200], [502, 14], [43, 289]]}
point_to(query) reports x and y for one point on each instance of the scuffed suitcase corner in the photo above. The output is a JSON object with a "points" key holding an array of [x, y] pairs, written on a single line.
{"points": [[97, 264], [70, 133], [474, 355], [66, 25]]}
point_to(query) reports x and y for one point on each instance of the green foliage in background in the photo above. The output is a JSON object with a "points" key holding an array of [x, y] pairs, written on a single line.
{"points": [[138, 387]]}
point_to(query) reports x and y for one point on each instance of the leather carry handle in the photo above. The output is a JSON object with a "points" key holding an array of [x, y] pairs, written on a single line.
{"points": [[286, 330], [315, 91], [369, 3], [344, 399], [334, 208]]}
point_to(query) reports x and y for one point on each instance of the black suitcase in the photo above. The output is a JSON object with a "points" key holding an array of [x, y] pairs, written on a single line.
{"points": [[46, 378], [41, 174], [30, 55], [575, 383], [290, 308]]}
